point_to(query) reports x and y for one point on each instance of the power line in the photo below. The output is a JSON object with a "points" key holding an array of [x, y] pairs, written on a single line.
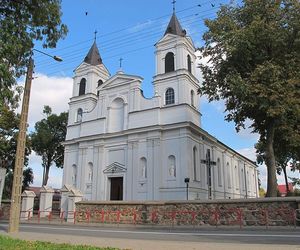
{"points": [[108, 45], [117, 43], [107, 58], [127, 44], [128, 28]]}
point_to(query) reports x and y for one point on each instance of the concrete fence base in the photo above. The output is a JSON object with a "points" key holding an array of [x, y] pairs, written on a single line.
{"points": [[241, 212]]}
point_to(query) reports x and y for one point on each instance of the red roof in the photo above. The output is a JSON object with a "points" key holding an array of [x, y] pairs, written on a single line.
{"points": [[282, 188]]}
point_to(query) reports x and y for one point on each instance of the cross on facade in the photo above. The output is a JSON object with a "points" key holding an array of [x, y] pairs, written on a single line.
{"points": [[121, 59], [174, 2], [209, 163]]}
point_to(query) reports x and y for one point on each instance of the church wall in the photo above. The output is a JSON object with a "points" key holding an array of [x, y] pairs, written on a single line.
{"points": [[92, 127], [145, 103], [141, 171], [174, 162], [236, 178], [196, 174], [71, 159], [145, 118], [180, 113], [153, 146], [218, 177]]}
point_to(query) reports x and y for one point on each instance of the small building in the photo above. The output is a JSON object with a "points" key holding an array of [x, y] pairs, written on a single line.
{"points": [[282, 189], [123, 146]]}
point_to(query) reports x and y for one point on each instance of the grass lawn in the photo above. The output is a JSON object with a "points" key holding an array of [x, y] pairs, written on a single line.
{"points": [[7, 243]]}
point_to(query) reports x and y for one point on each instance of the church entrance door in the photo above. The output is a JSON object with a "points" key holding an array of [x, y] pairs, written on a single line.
{"points": [[116, 188]]}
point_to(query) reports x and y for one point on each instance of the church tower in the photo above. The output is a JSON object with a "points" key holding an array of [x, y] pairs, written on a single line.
{"points": [[175, 79], [89, 75]]}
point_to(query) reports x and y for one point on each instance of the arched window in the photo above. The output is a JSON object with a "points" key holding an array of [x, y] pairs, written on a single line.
{"points": [[116, 118], [195, 162], [100, 82], [82, 86], [243, 179], [237, 178], [79, 115], [189, 63], [228, 170], [169, 62], [172, 166], [90, 172], [219, 172], [192, 98], [74, 175], [143, 168], [170, 96]]}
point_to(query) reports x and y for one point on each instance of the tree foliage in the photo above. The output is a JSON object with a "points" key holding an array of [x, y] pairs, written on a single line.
{"points": [[254, 59], [47, 140], [9, 127], [22, 22]]}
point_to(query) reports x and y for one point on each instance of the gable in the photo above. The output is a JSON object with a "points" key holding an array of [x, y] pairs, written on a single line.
{"points": [[115, 167], [85, 67], [120, 80]]}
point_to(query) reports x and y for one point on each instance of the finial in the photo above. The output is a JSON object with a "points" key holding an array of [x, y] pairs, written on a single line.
{"points": [[95, 35], [174, 2], [121, 59]]}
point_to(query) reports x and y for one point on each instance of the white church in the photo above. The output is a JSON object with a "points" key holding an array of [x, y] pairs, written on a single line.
{"points": [[123, 146]]}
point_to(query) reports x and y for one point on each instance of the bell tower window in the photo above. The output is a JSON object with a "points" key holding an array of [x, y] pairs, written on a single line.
{"points": [[170, 96], [82, 86], [169, 62], [100, 82], [189, 63]]}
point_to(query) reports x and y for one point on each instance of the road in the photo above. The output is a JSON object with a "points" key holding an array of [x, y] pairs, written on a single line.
{"points": [[155, 238]]}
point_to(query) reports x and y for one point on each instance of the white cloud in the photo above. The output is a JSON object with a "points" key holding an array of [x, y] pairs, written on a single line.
{"points": [[52, 91], [55, 174], [55, 92], [248, 152], [247, 131], [140, 26], [251, 154]]}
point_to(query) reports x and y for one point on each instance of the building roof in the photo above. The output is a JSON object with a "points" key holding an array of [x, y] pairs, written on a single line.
{"points": [[282, 188], [174, 27], [93, 56]]}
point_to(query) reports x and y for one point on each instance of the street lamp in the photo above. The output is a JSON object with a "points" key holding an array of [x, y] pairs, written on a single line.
{"points": [[14, 216], [187, 180]]}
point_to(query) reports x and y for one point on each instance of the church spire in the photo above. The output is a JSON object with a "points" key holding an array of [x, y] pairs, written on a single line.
{"points": [[174, 27], [93, 57]]}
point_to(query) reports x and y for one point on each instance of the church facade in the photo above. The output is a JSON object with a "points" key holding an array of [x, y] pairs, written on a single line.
{"points": [[123, 146]]}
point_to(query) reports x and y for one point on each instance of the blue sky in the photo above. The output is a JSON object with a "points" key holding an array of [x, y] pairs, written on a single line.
{"points": [[125, 29]]}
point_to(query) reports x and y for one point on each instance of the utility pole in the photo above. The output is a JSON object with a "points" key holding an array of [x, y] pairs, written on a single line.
{"points": [[15, 205], [14, 217]]}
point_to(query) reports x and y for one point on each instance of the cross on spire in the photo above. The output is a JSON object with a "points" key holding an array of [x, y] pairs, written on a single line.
{"points": [[121, 59], [95, 35], [174, 2]]}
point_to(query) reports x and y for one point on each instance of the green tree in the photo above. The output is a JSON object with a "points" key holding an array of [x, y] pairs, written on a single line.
{"points": [[254, 59], [9, 123], [286, 149], [46, 141], [22, 23]]}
